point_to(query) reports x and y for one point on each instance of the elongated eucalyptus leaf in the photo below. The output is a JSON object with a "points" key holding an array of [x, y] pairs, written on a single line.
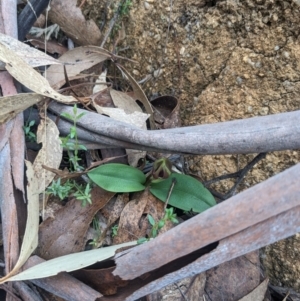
{"points": [[187, 194], [68, 263], [117, 177]]}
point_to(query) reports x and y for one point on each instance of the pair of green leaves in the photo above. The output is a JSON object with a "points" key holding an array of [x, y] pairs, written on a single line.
{"points": [[187, 193]]}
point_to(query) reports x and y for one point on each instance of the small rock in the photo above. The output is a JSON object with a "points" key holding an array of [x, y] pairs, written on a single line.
{"points": [[264, 111]]}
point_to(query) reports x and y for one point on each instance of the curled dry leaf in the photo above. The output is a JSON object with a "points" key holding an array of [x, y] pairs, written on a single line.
{"points": [[76, 60], [51, 46], [81, 31], [29, 77], [15, 104], [30, 55], [139, 95], [50, 154], [166, 111]]}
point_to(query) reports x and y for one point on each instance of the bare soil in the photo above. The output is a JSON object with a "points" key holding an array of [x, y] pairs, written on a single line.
{"points": [[224, 60]]}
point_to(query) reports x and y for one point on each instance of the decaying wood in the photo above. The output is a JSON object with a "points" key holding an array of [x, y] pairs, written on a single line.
{"points": [[252, 135], [252, 238], [253, 206]]}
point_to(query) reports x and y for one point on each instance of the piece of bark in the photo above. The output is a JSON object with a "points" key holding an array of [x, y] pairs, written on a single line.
{"points": [[11, 148], [252, 135], [25, 292], [253, 238]]}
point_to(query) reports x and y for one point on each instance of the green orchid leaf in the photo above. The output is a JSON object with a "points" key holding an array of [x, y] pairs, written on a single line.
{"points": [[117, 177], [187, 194]]}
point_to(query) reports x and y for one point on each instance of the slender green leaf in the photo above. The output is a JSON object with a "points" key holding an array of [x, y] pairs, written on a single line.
{"points": [[151, 220], [80, 115], [187, 194], [82, 147], [117, 177], [67, 115], [31, 123]]}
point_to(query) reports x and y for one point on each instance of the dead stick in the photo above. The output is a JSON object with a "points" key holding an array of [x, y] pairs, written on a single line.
{"points": [[252, 135]]}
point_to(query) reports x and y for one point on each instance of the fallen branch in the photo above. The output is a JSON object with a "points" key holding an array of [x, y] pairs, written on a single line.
{"points": [[253, 135]]}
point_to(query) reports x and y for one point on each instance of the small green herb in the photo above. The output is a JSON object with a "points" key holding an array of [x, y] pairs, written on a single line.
{"points": [[60, 190], [156, 226], [83, 194], [29, 134], [122, 11], [70, 142], [114, 230]]}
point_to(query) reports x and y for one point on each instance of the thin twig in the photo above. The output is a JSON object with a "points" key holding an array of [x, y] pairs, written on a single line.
{"points": [[239, 174], [174, 181], [182, 294], [112, 23]]}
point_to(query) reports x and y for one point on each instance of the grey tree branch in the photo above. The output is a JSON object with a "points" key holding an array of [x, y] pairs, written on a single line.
{"points": [[253, 135]]}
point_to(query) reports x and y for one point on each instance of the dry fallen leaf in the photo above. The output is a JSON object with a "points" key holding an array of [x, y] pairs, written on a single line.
{"points": [[15, 104], [30, 55], [68, 263], [29, 77], [258, 294], [129, 225], [130, 112], [30, 239], [75, 60], [75, 26], [50, 154], [61, 287], [133, 224], [65, 234], [119, 114], [244, 277], [101, 82], [139, 95]]}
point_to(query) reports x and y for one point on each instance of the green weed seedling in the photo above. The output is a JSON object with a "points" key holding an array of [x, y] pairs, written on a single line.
{"points": [[70, 144], [156, 226], [123, 11], [29, 134], [114, 230], [60, 190]]}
